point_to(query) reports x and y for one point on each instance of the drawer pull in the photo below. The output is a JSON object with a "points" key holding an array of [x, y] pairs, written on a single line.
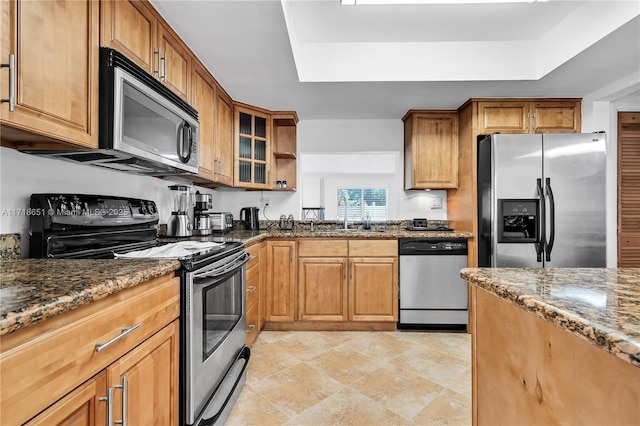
{"points": [[125, 331], [251, 328], [251, 288]]}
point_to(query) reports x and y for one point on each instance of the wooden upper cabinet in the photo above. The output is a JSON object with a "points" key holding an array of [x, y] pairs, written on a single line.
{"points": [[556, 116], [503, 117], [130, 27], [55, 69], [223, 147], [203, 99], [284, 142], [175, 61], [252, 147], [134, 28], [431, 149], [529, 116]]}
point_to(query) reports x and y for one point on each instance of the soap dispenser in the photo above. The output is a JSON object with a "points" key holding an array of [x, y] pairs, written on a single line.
{"points": [[367, 221]]}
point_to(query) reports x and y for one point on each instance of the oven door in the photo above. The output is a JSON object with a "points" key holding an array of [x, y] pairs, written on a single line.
{"points": [[215, 328]]}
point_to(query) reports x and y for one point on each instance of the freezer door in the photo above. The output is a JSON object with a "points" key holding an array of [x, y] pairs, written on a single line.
{"points": [[516, 167], [574, 171]]}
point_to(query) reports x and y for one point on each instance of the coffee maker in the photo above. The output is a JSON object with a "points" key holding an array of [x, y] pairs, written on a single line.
{"points": [[179, 224], [201, 218], [249, 218]]}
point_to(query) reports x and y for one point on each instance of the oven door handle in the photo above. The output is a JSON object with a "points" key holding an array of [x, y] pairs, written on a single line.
{"points": [[244, 355], [234, 263]]}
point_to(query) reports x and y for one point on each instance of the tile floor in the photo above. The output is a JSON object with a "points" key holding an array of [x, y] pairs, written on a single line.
{"points": [[357, 378]]}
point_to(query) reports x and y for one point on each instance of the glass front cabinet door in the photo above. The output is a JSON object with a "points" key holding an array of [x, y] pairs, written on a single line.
{"points": [[252, 150]]}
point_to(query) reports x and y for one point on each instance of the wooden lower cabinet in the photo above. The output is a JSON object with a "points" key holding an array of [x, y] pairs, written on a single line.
{"points": [[373, 289], [347, 280], [281, 280], [52, 374], [526, 370], [149, 379], [82, 406], [254, 290], [322, 289]]}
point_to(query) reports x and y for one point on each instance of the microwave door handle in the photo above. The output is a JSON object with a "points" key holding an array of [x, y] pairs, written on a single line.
{"points": [[181, 137]]}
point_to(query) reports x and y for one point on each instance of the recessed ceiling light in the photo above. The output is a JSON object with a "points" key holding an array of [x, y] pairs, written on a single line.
{"points": [[398, 2]]}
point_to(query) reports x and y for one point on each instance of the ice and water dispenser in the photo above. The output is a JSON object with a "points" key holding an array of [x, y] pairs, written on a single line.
{"points": [[518, 220]]}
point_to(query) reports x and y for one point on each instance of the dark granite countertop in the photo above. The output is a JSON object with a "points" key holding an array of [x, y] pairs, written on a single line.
{"points": [[599, 305], [32, 290]]}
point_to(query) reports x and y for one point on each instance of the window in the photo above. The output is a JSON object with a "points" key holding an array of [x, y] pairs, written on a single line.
{"points": [[361, 201]]}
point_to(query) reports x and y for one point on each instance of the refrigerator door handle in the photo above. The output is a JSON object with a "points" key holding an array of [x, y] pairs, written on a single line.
{"points": [[552, 219], [541, 238]]}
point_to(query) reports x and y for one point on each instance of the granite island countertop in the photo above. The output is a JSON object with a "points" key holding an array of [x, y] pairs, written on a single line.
{"points": [[32, 290], [599, 305]]}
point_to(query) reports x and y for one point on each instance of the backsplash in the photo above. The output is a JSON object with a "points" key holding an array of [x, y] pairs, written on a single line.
{"points": [[10, 246]]}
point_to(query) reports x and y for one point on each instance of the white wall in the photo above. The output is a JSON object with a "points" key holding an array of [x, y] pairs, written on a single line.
{"points": [[22, 175], [365, 139], [600, 112]]}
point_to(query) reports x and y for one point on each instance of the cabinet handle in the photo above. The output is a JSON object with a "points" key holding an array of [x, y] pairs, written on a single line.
{"points": [[220, 168], [528, 121], [251, 289], [12, 82], [290, 255], [124, 387], [157, 53], [109, 399], [251, 328], [125, 331], [535, 121], [350, 270], [163, 77]]}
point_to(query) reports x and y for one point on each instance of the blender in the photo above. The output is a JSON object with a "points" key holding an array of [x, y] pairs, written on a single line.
{"points": [[179, 224], [201, 217]]}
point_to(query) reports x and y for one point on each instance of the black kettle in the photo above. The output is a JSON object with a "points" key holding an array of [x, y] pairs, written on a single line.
{"points": [[249, 218]]}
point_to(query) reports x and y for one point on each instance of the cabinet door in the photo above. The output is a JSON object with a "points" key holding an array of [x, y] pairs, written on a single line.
{"points": [[373, 289], [202, 99], [322, 288], [129, 27], [252, 149], [281, 280], [503, 117], [433, 151], [262, 297], [145, 381], [223, 138], [175, 63], [556, 116], [83, 406], [55, 69]]}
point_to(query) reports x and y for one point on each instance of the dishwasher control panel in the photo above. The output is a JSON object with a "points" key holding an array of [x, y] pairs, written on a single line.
{"points": [[428, 246]]}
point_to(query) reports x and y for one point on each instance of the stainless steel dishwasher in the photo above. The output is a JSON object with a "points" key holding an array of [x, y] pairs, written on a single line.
{"points": [[432, 294]]}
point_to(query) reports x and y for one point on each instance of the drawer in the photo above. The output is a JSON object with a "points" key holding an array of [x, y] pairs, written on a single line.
{"points": [[42, 362], [373, 248], [252, 324], [254, 252], [322, 248], [253, 285]]}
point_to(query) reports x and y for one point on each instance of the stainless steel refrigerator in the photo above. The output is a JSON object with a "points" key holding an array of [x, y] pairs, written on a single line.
{"points": [[541, 200]]}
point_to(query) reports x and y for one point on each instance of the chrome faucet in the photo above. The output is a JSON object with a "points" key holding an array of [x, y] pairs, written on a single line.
{"points": [[343, 198]]}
